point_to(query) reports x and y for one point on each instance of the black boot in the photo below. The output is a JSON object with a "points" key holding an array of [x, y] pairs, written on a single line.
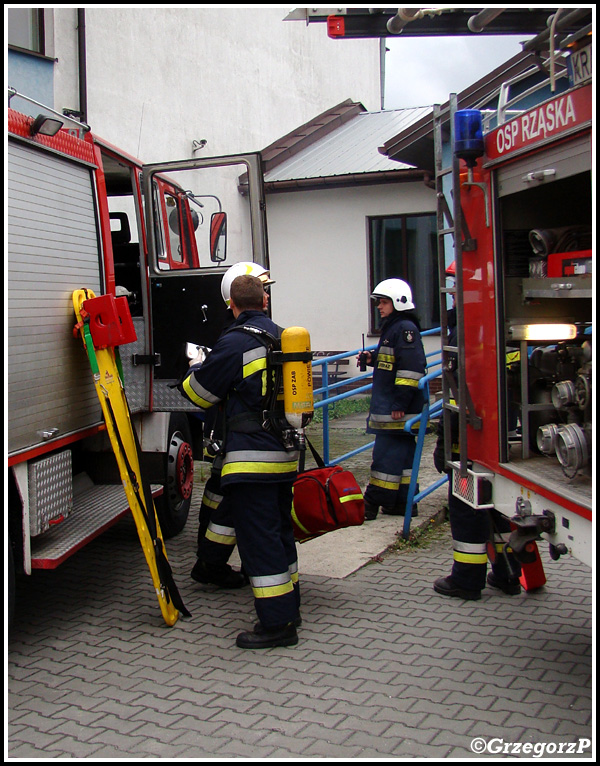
{"points": [[511, 587], [268, 637], [221, 575], [371, 511], [446, 587], [260, 629]]}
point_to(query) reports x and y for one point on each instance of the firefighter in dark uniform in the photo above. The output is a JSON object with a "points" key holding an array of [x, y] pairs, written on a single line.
{"points": [[472, 529], [399, 363], [258, 471], [216, 534]]}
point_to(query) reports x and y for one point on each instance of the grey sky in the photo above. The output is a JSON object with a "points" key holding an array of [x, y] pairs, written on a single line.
{"points": [[425, 70]]}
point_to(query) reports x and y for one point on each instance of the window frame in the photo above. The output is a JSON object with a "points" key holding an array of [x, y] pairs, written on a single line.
{"points": [[37, 28], [405, 260]]}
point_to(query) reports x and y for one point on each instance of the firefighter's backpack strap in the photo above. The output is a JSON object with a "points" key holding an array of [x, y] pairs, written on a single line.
{"points": [[270, 418]]}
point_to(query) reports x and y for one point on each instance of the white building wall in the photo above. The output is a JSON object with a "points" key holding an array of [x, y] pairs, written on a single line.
{"points": [[318, 244], [239, 77]]}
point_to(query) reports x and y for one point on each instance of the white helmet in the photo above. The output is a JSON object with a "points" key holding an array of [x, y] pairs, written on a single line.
{"points": [[238, 270], [398, 291]]}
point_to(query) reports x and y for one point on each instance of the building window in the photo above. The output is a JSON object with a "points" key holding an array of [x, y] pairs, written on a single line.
{"points": [[405, 246], [26, 29]]}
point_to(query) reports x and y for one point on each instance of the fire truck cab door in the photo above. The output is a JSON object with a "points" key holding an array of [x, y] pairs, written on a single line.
{"points": [[202, 215]]}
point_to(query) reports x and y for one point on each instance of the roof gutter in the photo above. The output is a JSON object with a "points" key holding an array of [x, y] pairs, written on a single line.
{"points": [[353, 179]]}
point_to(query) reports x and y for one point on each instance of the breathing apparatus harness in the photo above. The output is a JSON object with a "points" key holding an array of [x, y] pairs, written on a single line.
{"points": [[273, 417]]}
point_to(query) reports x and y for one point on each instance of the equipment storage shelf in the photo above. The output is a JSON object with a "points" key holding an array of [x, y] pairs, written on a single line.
{"points": [[576, 286]]}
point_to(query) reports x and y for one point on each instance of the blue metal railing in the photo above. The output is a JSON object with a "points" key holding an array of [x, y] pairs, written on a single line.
{"points": [[429, 411]]}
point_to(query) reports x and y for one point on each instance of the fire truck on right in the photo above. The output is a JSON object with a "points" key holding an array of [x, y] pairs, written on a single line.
{"points": [[521, 384]]}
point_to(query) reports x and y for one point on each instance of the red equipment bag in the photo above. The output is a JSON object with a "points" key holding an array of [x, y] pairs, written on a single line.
{"points": [[325, 498]]}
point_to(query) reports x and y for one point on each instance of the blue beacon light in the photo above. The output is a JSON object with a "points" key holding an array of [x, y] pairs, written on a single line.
{"points": [[468, 136], [468, 146]]}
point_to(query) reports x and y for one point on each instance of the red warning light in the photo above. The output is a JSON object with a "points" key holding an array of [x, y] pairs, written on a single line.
{"points": [[335, 26]]}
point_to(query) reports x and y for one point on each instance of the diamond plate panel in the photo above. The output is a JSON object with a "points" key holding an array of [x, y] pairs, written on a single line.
{"points": [[166, 398], [50, 482], [136, 378]]}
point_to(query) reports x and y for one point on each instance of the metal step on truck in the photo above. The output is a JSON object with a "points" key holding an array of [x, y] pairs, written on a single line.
{"points": [[82, 214]]}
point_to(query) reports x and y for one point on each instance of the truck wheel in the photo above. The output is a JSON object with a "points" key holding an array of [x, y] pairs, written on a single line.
{"points": [[174, 504]]}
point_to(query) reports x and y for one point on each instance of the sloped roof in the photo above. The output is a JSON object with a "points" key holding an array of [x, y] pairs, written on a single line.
{"points": [[415, 143], [339, 147], [289, 145], [350, 149]]}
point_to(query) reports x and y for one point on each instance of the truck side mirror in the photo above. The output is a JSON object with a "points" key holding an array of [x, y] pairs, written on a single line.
{"points": [[218, 237]]}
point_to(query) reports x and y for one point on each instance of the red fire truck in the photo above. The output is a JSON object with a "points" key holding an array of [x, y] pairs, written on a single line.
{"points": [[523, 294], [515, 213], [77, 218]]}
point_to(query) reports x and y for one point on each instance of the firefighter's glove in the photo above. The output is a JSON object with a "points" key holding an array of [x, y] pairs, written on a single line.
{"points": [[200, 354]]}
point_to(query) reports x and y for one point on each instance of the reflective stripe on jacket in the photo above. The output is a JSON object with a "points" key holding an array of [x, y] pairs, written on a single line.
{"points": [[399, 364], [234, 372]]}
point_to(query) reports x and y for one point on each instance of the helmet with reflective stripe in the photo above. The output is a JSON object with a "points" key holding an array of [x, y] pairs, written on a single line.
{"points": [[238, 270], [398, 291]]}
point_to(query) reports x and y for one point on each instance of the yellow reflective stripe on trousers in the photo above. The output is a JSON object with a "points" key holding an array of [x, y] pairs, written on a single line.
{"points": [[384, 480], [388, 481], [268, 586], [470, 558], [210, 499], [470, 553], [406, 476], [293, 570], [220, 534]]}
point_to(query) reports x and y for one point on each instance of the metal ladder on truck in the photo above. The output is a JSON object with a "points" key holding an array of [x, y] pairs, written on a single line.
{"points": [[450, 222]]}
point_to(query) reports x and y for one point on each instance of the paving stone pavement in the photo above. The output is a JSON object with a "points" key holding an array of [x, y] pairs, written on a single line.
{"points": [[385, 667]]}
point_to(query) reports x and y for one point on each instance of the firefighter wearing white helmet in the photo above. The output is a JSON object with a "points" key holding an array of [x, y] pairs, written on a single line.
{"points": [[239, 269], [398, 291], [398, 366], [258, 469], [216, 534]]}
